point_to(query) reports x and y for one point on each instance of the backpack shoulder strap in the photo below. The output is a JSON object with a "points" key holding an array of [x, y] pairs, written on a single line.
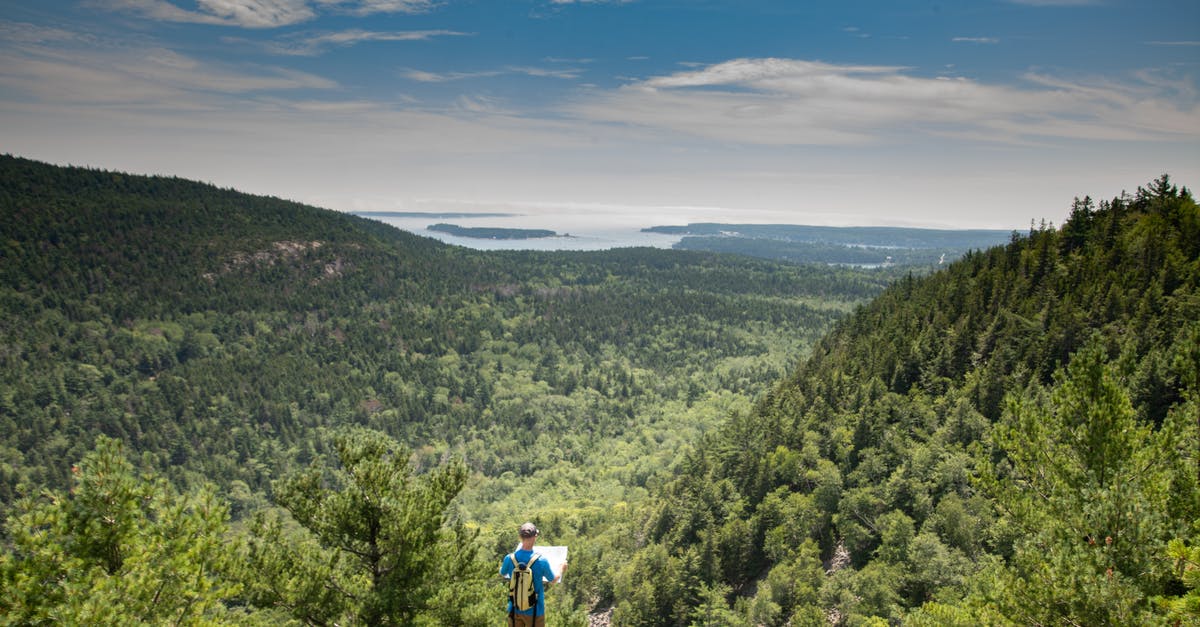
{"points": [[513, 556], [535, 557]]}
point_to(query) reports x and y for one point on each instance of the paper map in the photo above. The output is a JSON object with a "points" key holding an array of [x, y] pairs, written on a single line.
{"points": [[556, 556]]}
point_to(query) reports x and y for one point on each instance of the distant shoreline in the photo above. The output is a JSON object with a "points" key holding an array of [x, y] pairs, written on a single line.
{"points": [[431, 214]]}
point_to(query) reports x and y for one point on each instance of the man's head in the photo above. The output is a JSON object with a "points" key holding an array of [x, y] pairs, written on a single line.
{"points": [[528, 530]]}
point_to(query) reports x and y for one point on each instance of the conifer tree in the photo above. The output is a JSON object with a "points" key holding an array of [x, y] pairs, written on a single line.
{"points": [[119, 549], [373, 546], [1089, 491]]}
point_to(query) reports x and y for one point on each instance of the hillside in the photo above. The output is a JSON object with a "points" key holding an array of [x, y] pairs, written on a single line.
{"points": [[236, 409], [226, 339], [1012, 440]]}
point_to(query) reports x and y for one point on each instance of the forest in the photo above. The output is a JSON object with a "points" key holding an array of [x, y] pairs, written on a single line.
{"points": [[861, 246], [226, 409]]}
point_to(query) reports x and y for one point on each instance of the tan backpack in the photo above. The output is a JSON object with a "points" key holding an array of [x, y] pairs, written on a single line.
{"points": [[521, 591]]}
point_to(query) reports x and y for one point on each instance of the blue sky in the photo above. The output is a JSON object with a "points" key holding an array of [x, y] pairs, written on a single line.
{"points": [[990, 113]]}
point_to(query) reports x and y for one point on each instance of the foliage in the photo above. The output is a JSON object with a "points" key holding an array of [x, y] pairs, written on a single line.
{"points": [[1009, 440], [1090, 497], [221, 336], [1185, 562], [120, 547], [375, 546]]}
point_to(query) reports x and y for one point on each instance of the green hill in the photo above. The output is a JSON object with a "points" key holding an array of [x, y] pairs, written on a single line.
{"points": [[214, 330], [231, 340], [1011, 440]]}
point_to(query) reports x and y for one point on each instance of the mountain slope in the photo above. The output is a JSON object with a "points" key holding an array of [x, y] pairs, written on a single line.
{"points": [[893, 454]]}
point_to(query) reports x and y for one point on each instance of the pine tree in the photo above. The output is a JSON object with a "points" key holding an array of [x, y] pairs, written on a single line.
{"points": [[374, 545], [119, 548], [1088, 489]]}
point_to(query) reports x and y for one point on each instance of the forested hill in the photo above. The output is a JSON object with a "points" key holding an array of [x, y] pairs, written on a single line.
{"points": [[143, 246], [216, 332], [1010, 441], [237, 409]]}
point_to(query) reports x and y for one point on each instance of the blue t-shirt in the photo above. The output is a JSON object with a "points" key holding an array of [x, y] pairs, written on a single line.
{"points": [[541, 571]]}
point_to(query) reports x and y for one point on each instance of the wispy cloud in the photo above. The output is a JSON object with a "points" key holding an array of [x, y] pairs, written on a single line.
{"points": [[256, 13], [312, 44], [565, 73], [796, 102], [976, 40], [244, 13], [24, 33], [57, 68], [368, 7], [564, 60], [423, 76]]}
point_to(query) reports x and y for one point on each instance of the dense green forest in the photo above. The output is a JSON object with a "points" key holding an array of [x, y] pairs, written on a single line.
{"points": [[220, 408], [227, 339], [1012, 440]]}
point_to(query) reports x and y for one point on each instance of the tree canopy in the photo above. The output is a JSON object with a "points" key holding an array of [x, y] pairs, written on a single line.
{"points": [[284, 415]]}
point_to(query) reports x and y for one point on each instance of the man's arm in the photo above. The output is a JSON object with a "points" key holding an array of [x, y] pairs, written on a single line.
{"points": [[550, 576]]}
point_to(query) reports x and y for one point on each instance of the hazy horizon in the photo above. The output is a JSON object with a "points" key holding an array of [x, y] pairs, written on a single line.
{"points": [[577, 228]]}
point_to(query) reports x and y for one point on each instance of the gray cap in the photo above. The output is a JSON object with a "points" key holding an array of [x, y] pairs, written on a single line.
{"points": [[528, 530]]}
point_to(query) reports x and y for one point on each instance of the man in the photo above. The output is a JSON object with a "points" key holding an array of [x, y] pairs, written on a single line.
{"points": [[535, 617]]}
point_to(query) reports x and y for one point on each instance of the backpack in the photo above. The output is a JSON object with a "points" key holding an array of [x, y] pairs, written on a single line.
{"points": [[520, 586]]}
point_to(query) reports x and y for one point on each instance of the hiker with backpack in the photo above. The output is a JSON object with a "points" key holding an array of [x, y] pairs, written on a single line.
{"points": [[526, 572]]}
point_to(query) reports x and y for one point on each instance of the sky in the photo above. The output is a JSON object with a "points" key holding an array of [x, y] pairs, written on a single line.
{"points": [[968, 114]]}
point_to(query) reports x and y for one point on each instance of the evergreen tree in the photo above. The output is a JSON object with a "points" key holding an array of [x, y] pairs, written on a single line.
{"points": [[375, 543], [1087, 486], [119, 548]]}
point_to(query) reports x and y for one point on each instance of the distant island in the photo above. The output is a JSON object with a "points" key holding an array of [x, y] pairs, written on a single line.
{"points": [[485, 232], [430, 214], [852, 246]]}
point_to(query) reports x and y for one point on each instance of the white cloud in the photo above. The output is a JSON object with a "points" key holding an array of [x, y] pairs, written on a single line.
{"points": [[368, 7], [796, 102], [976, 40], [26, 33], [421, 76], [257, 13], [244, 13], [310, 44], [135, 76]]}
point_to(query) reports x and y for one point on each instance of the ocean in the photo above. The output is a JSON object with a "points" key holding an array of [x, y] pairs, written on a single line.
{"points": [[575, 230]]}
